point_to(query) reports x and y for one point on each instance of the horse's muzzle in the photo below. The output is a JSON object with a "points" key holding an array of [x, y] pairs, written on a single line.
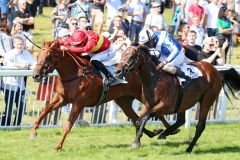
{"points": [[37, 78]]}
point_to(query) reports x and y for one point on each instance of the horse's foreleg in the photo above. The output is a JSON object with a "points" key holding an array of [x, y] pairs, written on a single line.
{"points": [[136, 143], [126, 105], [57, 102], [165, 123], [75, 111], [180, 121]]}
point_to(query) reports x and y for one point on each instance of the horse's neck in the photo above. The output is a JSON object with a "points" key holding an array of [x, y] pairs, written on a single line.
{"points": [[68, 69], [148, 73]]}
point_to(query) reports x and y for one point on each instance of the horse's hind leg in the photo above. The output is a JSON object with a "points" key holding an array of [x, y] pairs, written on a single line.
{"points": [[126, 105], [57, 102], [180, 121], [205, 104], [75, 111]]}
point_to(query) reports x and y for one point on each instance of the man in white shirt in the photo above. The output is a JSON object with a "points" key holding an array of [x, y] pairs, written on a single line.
{"points": [[15, 87], [210, 17], [198, 29], [154, 19]]}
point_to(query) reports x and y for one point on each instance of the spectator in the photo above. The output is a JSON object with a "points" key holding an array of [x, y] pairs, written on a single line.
{"points": [[198, 29], [185, 4], [112, 6], [97, 10], [237, 6], [15, 86], [235, 19], [73, 25], [124, 21], [183, 39], [17, 31], [59, 16], [195, 10], [5, 39], [210, 18], [24, 16], [80, 8], [220, 48], [40, 9], [192, 50], [88, 27], [154, 19], [177, 16], [82, 22], [117, 25], [225, 27], [137, 10], [216, 58]]}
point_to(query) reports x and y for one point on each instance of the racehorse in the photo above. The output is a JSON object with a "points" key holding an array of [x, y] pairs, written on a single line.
{"points": [[80, 85], [164, 96]]}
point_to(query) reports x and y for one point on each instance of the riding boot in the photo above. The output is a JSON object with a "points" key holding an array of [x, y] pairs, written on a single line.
{"points": [[181, 74], [110, 78]]}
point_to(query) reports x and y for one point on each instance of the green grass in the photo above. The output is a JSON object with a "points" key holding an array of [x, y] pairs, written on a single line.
{"points": [[218, 142]]}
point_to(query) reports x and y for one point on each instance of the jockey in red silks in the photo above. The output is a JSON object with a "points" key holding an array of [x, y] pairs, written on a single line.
{"points": [[98, 47]]}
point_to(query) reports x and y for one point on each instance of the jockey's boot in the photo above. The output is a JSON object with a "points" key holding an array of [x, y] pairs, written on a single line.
{"points": [[111, 80], [181, 74]]}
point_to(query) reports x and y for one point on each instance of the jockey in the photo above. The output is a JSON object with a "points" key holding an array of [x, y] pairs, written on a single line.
{"points": [[98, 47], [172, 53]]}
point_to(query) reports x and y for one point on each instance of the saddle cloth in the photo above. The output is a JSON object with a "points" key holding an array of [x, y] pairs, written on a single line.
{"points": [[190, 70]]}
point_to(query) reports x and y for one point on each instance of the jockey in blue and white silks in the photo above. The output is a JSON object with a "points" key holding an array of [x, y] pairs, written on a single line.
{"points": [[172, 54]]}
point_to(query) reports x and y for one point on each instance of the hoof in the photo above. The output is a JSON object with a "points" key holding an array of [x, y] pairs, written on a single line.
{"points": [[189, 150], [176, 131], [162, 136], [136, 145], [57, 148], [33, 135], [157, 131]]}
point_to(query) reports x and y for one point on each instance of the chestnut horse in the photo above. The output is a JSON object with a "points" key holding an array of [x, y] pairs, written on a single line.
{"points": [[80, 85], [161, 90]]}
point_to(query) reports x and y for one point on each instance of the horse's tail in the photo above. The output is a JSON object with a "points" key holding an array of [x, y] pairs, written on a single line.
{"points": [[231, 79]]}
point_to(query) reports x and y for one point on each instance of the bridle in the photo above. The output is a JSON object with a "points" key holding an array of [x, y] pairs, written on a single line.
{"points": [[130, 65], [53, 58]]}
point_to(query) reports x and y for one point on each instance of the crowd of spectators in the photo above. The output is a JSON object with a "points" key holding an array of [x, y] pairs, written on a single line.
{"points": [[205, 28]]}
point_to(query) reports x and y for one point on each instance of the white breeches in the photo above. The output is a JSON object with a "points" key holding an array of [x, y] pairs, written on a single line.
{"points": [[179, 60], [105, 55]]}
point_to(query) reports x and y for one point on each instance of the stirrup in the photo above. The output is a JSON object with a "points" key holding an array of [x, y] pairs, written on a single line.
{"points": [[114, 81]]}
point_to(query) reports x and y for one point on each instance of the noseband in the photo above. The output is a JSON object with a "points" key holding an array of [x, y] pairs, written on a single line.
{"points": [[48, 67]]}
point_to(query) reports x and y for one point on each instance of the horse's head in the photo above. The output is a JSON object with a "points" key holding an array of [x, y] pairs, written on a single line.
{"points": [[131, 60], [47, 60]]}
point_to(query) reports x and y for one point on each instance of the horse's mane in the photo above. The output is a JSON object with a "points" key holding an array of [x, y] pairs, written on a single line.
{"points": [[145, 49], [55, 45]]}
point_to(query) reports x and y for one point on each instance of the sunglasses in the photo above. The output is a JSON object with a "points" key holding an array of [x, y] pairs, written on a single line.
{"points": [[211, 45], [88, 28], [156, 7], [74, 24]]}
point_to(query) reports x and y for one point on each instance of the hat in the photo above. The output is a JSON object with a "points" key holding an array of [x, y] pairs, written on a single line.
{"points": [[155, 4], [87, 25], [22, 1], [122, 8], [63, 32], [58, 2], [146, 35], [207, 40]]}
